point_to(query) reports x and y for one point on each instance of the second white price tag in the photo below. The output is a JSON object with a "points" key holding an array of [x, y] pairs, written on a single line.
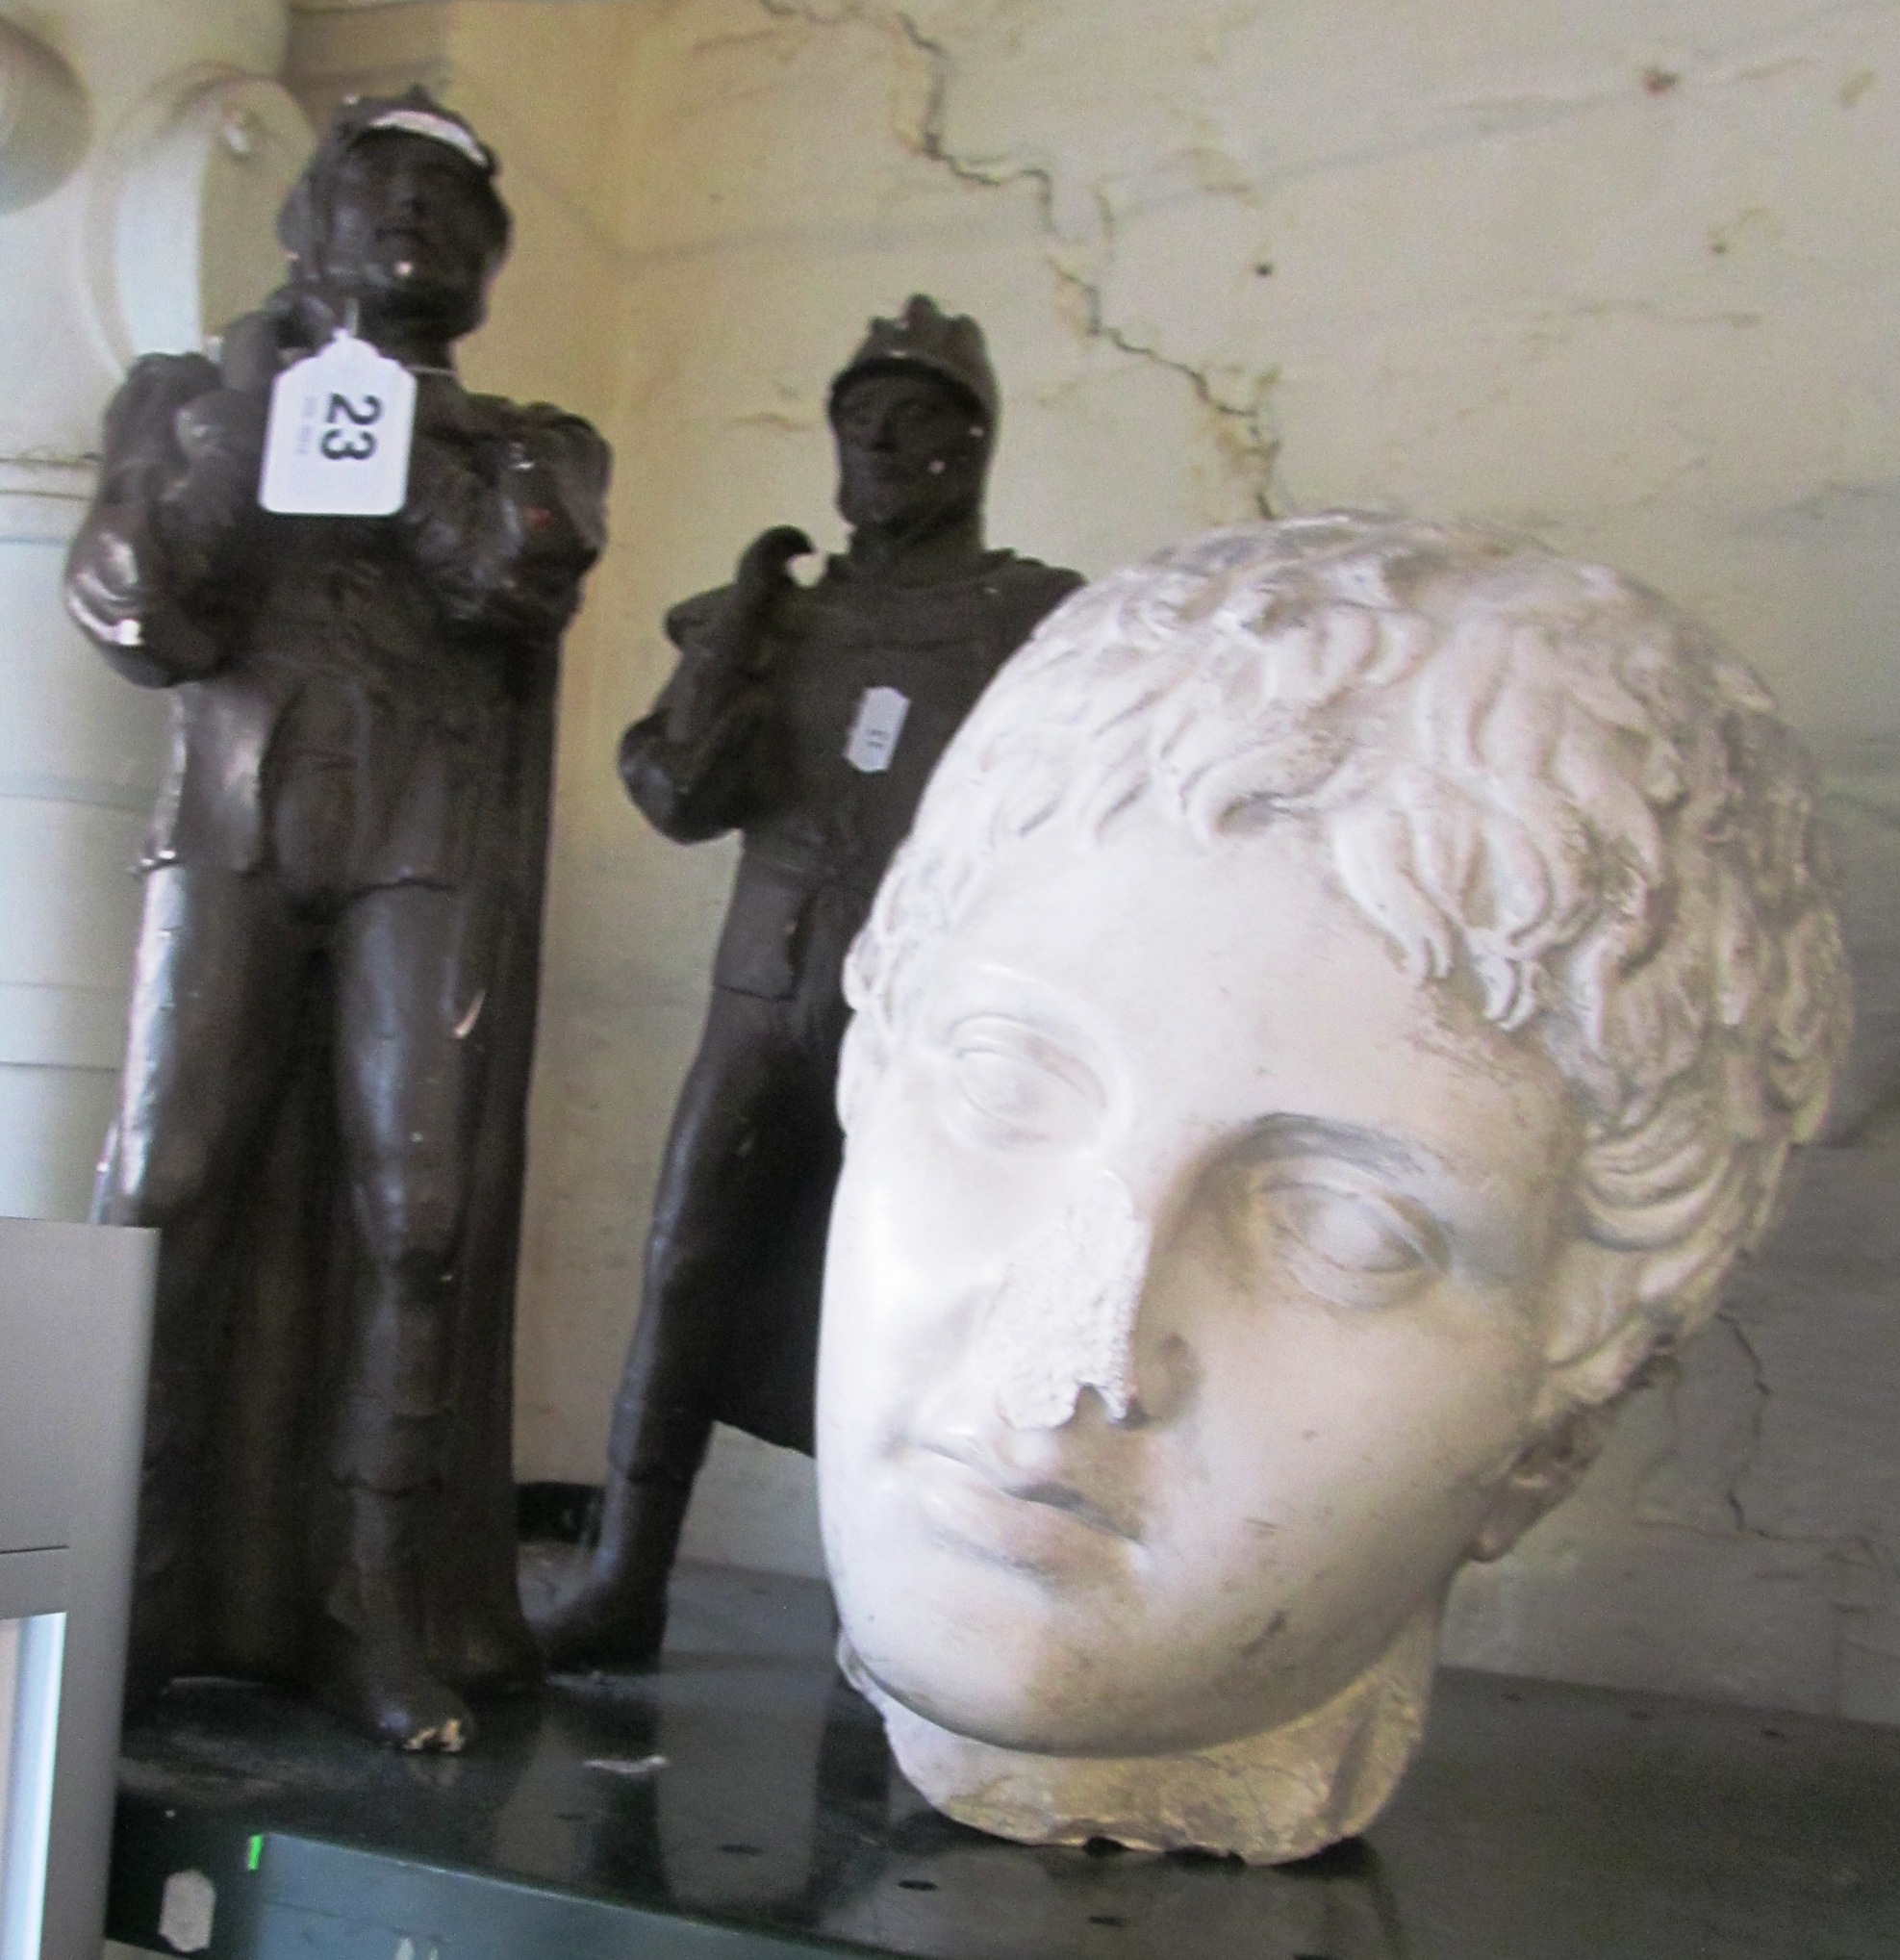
{"points": [[337, 441], [874, 732]]}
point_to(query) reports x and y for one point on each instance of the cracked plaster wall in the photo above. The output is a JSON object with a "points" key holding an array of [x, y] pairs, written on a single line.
{"points": [[1624, 274]]}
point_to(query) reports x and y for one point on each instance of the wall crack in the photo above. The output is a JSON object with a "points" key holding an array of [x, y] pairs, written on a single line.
{"points": [[1240, 420], [1760, 1393]]}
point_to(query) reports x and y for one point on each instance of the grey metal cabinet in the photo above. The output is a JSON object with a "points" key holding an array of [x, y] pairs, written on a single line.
{"points": [[75, 1330]]}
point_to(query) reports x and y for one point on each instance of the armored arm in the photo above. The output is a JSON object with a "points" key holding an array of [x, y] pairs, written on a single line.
{"points": [[693, 764], [177, 478], [507, 509]]}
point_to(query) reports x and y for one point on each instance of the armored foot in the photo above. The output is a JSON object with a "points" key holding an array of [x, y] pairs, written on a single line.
{"points": [[613, 1615]]}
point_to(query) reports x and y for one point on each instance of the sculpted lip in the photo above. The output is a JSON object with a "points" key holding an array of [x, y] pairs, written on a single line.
{"points": [[1043, 1492]]}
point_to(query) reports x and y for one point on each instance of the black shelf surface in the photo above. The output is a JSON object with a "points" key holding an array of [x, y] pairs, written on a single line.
{"points": [[1540, 1823]]}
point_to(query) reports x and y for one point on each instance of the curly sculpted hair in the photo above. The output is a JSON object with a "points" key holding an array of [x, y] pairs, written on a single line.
{"points": [[1538, 780]]}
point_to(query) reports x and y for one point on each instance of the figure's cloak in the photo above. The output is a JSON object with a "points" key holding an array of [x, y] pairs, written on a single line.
{"points": [[274, 1542]]}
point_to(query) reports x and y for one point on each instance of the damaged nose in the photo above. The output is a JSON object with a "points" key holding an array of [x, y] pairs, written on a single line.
{"points": [[1063, 1316]]}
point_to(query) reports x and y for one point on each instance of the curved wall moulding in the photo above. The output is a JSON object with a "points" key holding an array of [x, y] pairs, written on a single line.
{"points": [[178, 225], [44, 119]]}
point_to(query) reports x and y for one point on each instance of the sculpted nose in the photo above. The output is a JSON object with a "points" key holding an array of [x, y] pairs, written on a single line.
{"points": [[1063, 1316], [886, 429]]}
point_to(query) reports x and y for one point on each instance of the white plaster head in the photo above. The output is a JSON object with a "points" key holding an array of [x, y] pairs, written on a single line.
{"points": [[1347, 1000]]}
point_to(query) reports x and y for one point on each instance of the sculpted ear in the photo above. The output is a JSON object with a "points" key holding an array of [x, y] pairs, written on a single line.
{"points": [[1605, 1329], [1604, 1322], [1544, 1475]]}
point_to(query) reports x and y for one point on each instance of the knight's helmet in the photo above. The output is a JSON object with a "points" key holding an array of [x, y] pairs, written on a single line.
{"points": [[305, 218], [924, 338]]}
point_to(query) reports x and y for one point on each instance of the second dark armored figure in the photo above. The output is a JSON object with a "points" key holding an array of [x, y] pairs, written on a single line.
{"points": [[809, 720]]}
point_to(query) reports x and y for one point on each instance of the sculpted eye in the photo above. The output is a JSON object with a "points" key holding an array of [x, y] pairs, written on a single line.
{"points": [[1354, 1247], [1015, 1091]]}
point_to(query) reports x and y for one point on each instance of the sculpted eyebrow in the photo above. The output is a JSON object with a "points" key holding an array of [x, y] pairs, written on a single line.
{"points": [[1372, 1150], [992, 991], [1057, 1051]]}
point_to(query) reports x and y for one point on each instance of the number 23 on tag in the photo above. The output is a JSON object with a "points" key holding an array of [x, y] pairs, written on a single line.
{"points": [[336, 444]]}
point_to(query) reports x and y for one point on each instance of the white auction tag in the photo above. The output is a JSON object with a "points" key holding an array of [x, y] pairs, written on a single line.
{"points": [[879, 722], [337, 441]]}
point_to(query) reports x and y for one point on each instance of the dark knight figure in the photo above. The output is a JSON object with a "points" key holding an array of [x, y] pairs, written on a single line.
{"points": [[810, 721], [333, 1010]]}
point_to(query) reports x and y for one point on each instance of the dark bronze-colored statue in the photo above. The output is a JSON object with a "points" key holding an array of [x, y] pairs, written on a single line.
{"points": [[809, 720], [333, 1014]]}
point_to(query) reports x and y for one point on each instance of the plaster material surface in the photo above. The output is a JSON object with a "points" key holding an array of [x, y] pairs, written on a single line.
{"points": [[1622, 275], [1346, 1002]]}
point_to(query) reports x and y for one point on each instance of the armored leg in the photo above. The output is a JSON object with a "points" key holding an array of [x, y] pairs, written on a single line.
{"points": [[730, 1176], [411, 980], [214, 1004]]}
